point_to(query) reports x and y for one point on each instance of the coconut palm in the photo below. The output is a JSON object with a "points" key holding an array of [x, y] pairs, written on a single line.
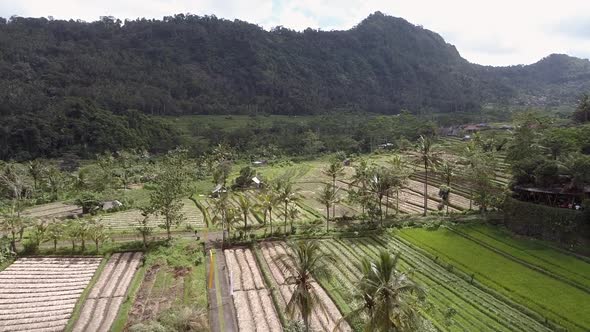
{"points": [[427, 157], [401, 174], [447, 171], [328, 196], [304, 262], [334, 170], [389, 299], [287, 194], [381, 184], [246, 206], [361, 179], [268, 200]]}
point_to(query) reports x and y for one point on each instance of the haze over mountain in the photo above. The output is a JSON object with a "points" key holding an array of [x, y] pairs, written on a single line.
{"points": [[206, 65]]}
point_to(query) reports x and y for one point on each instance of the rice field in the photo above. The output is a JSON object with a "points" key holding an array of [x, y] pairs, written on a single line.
{"points": [[40, 293], [550, 296], [128, 221], [474, 308]]}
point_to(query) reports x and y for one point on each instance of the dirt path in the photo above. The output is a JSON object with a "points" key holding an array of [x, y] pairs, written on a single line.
{"points": [[222, 314]]}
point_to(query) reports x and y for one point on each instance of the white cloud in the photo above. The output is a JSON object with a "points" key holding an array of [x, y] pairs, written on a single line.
{"points": [[497, 32]]}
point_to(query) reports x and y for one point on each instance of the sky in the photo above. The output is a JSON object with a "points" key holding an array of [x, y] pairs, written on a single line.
{"points": [[499, 32]]}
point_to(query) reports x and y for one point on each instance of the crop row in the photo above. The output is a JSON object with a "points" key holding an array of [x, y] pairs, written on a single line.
{"points": [[40, 293], [476, 310], [129, 220], [252, 300], [325, 316], [547, 296], [105, 298]]}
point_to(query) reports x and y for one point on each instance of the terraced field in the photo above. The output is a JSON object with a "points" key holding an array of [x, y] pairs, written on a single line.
{"points": [[127, 221], [53, 210], [252, 300], [532, 281], [321, 319], [475, 308], [102, 305], [39, 294]]}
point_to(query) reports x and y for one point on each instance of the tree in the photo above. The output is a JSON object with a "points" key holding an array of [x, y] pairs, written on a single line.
{"points": [[481, 175], [582, 112], [171, 184], [55, 232], [334, 170], [37, 169], [447, 171], [72, 231], [306, 261], [578, 168], [427, 157], [268, 200], [389, 299], [89, 203], [14, 225], [401, 175], [361, 180], [54, 181], [143, 226], [328, 197], [381, 184], [246, 206], [97, 232], [38, 232], [219, 207], [125, 162], [286, 194]]}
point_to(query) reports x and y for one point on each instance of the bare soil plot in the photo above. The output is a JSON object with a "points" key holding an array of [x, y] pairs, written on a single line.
{"points": [[39, 294], [323, 318], [310, 192], [101, 306], [252, 300], [128, 220]]}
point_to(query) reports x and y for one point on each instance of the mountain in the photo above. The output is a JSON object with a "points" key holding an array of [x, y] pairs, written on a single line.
{"points": [[205, 65]]}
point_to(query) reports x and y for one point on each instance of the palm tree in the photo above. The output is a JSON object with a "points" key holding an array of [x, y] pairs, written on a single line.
{"points": [[286, 194], [380, 185], [334, 170], [401, 174], [218, 208], [245, 205], [389, 298], [427, 157], [293, 214], [361, 178], [304, 262], [447, 171], [267, 201], [327, 197]]}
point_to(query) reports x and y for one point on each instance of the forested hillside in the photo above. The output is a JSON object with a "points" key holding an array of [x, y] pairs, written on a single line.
{"points": [[52, 69]]}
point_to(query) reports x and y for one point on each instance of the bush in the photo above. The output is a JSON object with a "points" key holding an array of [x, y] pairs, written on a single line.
{"points": [[544, 222], [30, 247]]}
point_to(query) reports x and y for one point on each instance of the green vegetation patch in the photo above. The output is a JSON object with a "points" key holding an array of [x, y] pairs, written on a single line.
{"points": [[548, 296]]}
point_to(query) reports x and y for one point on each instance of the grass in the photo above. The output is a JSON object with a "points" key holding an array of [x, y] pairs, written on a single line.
{"points": [[82, 299], [552, 298], [181, 255]]}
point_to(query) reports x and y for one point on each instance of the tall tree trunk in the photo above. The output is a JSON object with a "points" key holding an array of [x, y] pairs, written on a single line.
{"points": [[396, 201], [381, 209], [286, 207], [425, 188], [386, 204], [327, 218], [270, 220], [54, 245], [334, 188]]}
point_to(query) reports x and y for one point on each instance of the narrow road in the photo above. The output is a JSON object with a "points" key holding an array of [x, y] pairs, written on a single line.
{"points": [[222, 314]]}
